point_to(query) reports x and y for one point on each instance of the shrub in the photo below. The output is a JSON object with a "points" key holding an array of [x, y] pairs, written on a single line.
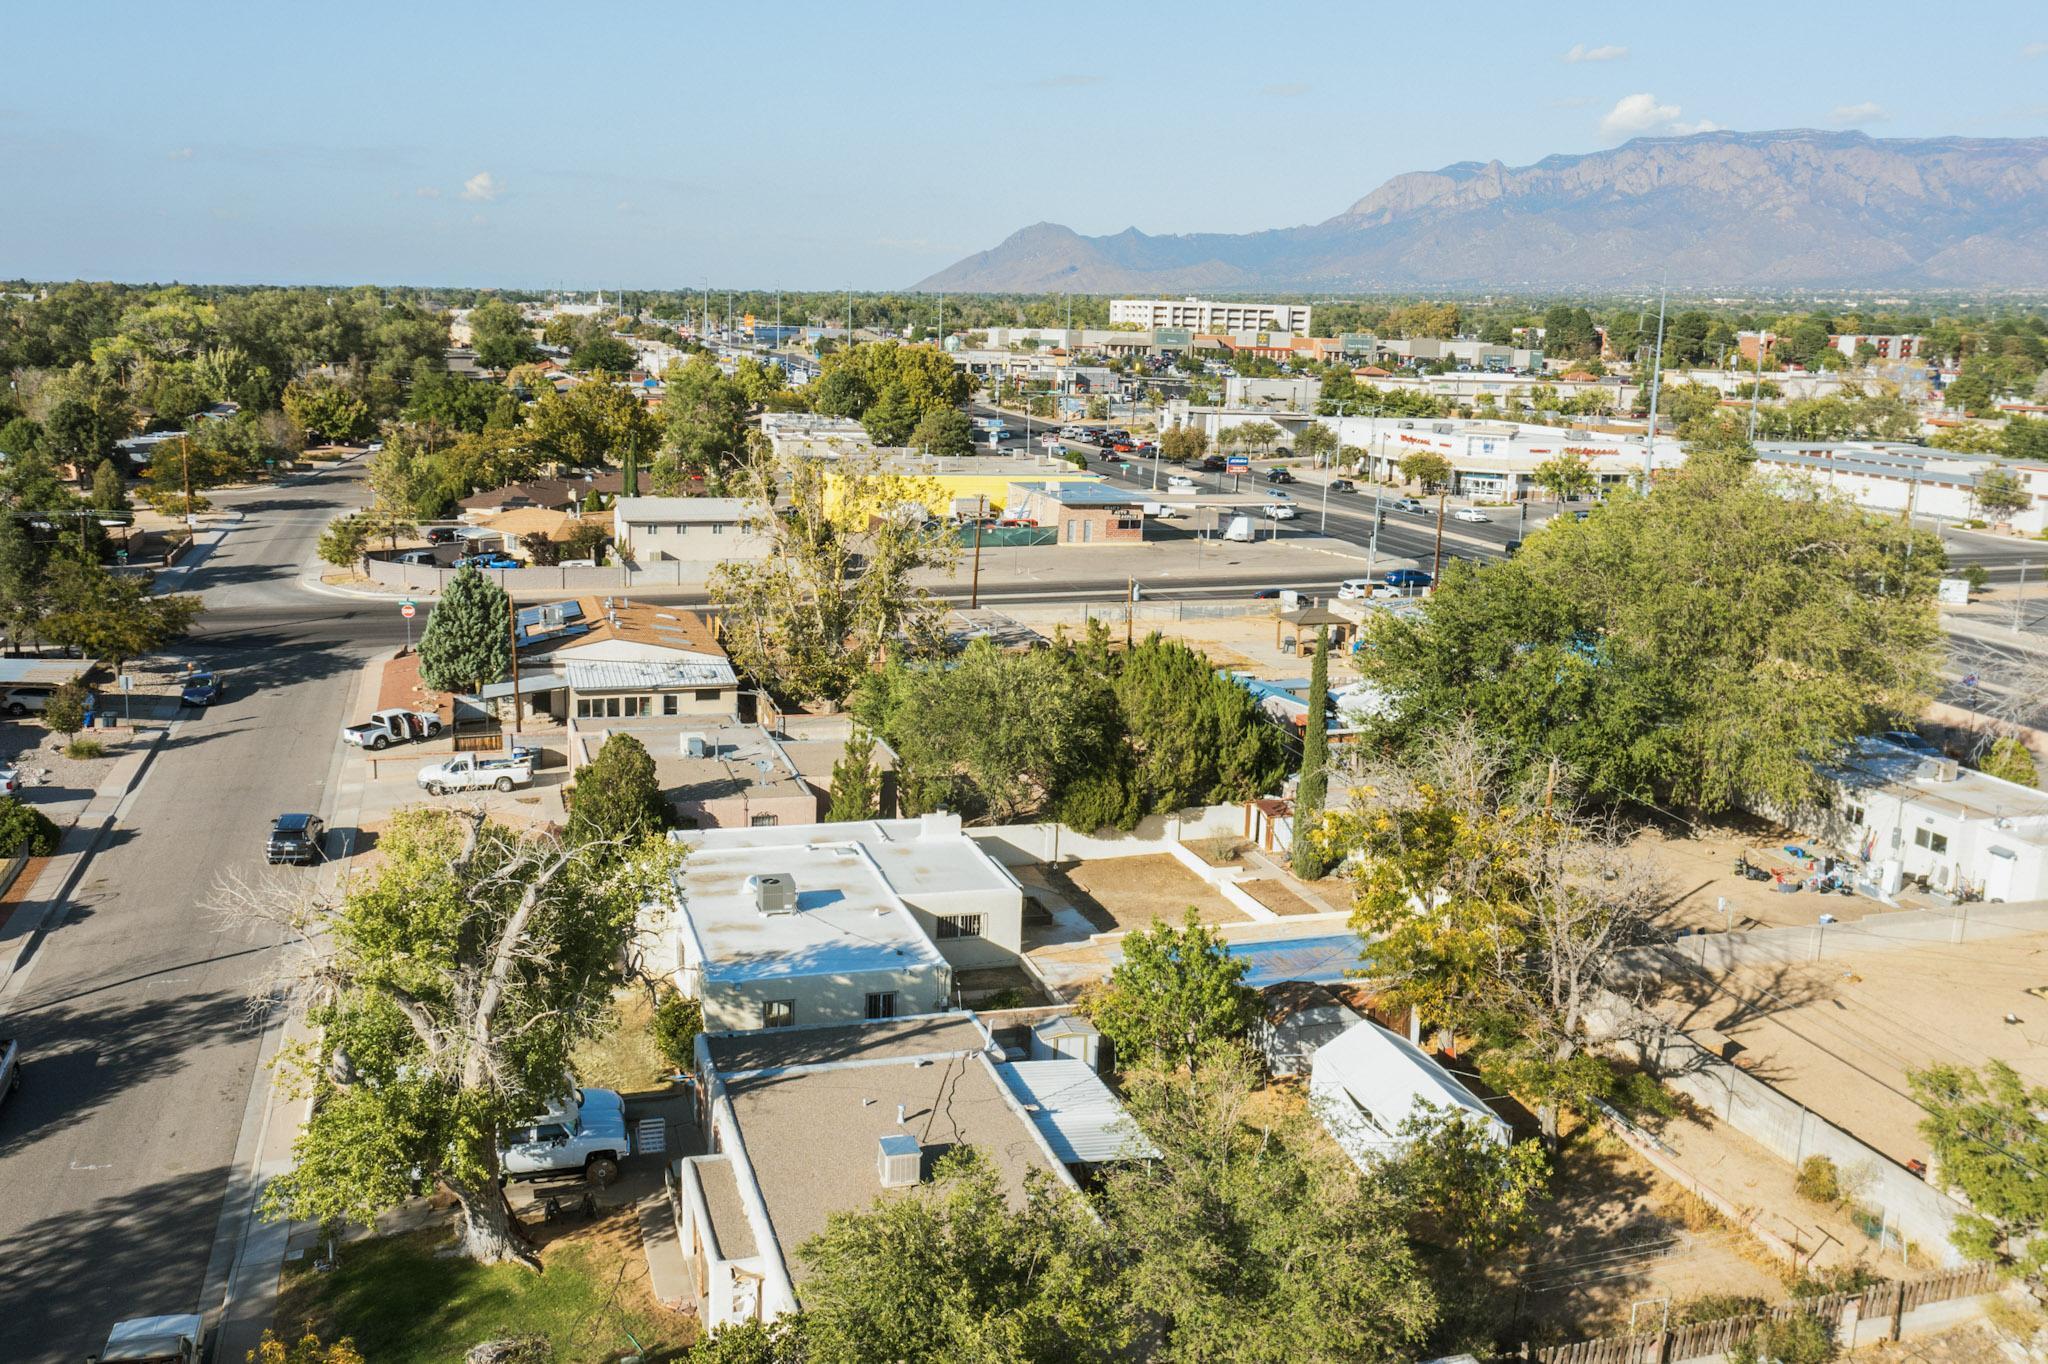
{"points": [[2010, 760], [1818, 1181], [1718, 1307], [64, 711], [1841, 1279], [677, 1021], [85, 748], [1795, 1340], [23, 828], [1976, 575]]}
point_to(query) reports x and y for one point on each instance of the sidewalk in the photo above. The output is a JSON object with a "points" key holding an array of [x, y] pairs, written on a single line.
{"points": [[25, 929]]}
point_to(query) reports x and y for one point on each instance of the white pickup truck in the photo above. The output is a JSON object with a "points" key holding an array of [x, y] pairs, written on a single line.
{"points": [[585, 1131], [153, 1340], [395, 726], [467, 772]]}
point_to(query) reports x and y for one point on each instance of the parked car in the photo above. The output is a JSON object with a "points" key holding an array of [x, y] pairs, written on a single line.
{"points": [[1472, 514], [10, 1066], [26, 700], [294, 839], [1280, 511], [1409, 504], [201, 689], [1343, 485], [425, 557], [1160, 511], [394, 726], [1408, 577], [1352, 589], [1510, 547], [10, 780], [440, 535], [490, 559], [468, 772], [1279, 476], [586, 1131], [1212, 464]]}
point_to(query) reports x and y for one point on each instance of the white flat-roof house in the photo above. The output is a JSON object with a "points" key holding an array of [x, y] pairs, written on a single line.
{"points": [[1905, 812], [690, 530], [1367, 1082], [833, 923], [801, 1123]]}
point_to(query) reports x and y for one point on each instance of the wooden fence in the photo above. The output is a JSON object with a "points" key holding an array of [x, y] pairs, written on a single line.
{"points": [[1889, 1302]]}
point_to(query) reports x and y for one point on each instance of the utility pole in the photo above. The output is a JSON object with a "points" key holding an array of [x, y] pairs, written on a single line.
{"points": [[1437, 568], [512, 626], [185, 453], [1372, 550], [2019, 593], [1656, 379], [1324, 528], [974, 591], [1756, 383]]}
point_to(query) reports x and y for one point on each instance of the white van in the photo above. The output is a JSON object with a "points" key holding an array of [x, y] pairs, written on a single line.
{"points": [[1240, 530], [1161, 511]]}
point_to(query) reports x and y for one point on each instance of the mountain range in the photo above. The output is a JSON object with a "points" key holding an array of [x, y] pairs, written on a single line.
{"points": [[1791, 209]]}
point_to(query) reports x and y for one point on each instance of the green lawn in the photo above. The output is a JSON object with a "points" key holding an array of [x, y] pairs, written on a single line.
{"points": [[404, 1304]]}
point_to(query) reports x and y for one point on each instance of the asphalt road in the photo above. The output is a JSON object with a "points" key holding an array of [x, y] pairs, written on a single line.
{"points": [[140, 1052]]}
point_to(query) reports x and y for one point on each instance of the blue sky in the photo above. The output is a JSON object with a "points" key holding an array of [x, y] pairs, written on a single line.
{"points": [[809, 145]]}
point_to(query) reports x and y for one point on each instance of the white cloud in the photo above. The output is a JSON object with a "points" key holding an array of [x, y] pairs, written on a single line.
{"points": [[1705, 125], [1869, 111], [481, 187], [427, 192], [1634, 114], [1606, 52], [1285, 90], [181, 154], [2032, 50]]}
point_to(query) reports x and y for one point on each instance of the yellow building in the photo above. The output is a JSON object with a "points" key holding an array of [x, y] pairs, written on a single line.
{"points": [[940, 481]]}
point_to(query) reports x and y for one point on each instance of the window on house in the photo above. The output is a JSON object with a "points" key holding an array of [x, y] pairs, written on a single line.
{"points": [[1854, 814], [882, 1004], [583, 708], [669, 704], [778, 1013], [1930, 840], [718, 527], [761, 821], [959, 925], [709, 694]]}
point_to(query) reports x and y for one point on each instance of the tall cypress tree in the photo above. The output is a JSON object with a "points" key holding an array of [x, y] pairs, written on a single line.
{"points": [[1315, 763]]}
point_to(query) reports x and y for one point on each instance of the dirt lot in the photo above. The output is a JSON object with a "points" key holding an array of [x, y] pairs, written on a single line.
{"points": [[1699, 869], [1840, 1036], [1127, 893], [1277, 896], [1619, 1232]]}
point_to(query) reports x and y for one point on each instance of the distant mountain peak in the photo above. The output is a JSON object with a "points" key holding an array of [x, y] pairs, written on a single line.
{"points": [[1792, 208]]}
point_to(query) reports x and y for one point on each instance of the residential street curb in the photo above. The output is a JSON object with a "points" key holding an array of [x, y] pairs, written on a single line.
{"points": [[30, 924]]}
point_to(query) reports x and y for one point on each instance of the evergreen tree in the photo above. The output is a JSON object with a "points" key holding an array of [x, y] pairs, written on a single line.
{"points": [[22, 591], [856, 781], [1308, 859], [618, 796], [467, 643], [108, 494]]}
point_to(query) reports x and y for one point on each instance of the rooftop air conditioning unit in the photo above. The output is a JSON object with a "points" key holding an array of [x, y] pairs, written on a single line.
{"points": [[899, 1160], [694, 746], [773, 894], [552, 617]]}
